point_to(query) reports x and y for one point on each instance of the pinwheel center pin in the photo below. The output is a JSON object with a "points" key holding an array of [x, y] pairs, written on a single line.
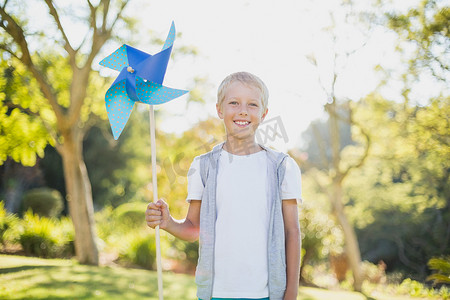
{"points": [[130, 69]]}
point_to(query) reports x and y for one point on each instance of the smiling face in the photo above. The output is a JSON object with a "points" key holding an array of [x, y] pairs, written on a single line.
{"points": [[241, 110]]}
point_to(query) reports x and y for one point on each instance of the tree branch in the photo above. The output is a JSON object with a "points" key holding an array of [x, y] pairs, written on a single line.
{"points": [[5, 48], [81, 76], [28, 111], [321, 145], [118, 16], [335, 114], [16, 32], [106, 4], [67, 45], [4, 4], [363, 157], [93, 10]]}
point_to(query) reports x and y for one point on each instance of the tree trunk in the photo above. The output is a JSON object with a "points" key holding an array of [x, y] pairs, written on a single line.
{"points": [[79, 196], [351, 242]]}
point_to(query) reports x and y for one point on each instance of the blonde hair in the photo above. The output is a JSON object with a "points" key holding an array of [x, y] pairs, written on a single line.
{"points": [[247, 79]]}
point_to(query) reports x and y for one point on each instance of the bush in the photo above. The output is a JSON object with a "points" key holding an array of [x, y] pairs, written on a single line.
{"points": [[44, 237], [8, 226], [105, 223], [138, 249], [441, 266], [67, 237], [417, 289], [186, 252], [130, 215], [374, 273], [44, 202]]}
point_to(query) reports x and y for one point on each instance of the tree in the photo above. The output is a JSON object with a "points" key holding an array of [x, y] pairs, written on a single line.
{"points": [[63, 82], [336, 168], [337, 160]]}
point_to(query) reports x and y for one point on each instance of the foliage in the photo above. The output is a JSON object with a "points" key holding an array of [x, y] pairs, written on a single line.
{"points": [[43, 201], [320, 235], [417, 289], [22, 135], [183, 251], [8, 225], [46, 237], [52, 170], [138, 249], [374, 273], [176, 157], [119, 170], [131, 215], [441, 266], [404, 184], [123, 230], [105, 223], [424, 29]]}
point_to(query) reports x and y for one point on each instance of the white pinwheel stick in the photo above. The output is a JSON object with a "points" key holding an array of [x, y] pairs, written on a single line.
{"points": [[140, 80], [155, 198]]}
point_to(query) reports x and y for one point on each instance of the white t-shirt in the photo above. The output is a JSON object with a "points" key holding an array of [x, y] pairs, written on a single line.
{"points": [[242, 224]]}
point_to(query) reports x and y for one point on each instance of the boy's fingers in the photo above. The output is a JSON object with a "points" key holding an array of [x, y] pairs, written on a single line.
{"points": [[151, 218], [152, 205], [153, 224], [162, 204], [154, 212]]}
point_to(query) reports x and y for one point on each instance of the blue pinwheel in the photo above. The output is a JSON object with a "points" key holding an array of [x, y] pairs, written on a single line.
{"points": [[140, 80]]}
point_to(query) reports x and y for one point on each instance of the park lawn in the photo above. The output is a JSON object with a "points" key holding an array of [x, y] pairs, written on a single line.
{"points": [[35, 278]]}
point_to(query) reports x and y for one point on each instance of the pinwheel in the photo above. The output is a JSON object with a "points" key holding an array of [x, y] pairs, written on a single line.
{"points": [[140, 80]]}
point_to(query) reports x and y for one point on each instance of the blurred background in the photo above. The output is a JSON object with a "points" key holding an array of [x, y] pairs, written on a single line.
{"points": [[359, 97]]}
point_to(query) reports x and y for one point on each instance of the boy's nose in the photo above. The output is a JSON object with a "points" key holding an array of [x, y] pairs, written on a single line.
{"points": [[243, 111]]}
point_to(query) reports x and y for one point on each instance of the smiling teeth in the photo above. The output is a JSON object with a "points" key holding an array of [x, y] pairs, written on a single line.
{"points": [[241, 123]]}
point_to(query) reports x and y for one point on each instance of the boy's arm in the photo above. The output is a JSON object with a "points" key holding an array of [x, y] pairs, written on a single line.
{"points": [[292, 235], [187, 229]]}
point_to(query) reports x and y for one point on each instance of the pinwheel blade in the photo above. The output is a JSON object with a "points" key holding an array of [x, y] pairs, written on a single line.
{"points": [[170, 37], [116, 60], [118, 107], [153, 93]]}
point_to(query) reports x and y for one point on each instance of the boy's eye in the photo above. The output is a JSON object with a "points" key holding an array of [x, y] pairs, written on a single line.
{"points": [[233, 102], [254, 104]]}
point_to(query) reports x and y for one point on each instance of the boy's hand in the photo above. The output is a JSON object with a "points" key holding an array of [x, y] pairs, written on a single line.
{"points": [[157, 214]]}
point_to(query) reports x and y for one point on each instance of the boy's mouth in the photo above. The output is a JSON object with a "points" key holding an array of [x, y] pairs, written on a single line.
{"points": [[241, 123]]}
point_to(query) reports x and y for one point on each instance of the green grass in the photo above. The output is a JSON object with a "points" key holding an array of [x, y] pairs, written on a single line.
{"points": [[35, 278]]}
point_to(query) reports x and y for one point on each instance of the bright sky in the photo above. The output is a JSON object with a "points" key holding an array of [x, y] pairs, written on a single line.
{"points": [[270, 39]]}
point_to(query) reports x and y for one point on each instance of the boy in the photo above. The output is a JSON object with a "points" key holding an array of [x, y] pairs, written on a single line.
{"points": [[242, 204]]}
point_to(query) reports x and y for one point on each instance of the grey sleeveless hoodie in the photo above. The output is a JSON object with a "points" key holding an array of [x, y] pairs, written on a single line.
{"points": [[276, 167]]}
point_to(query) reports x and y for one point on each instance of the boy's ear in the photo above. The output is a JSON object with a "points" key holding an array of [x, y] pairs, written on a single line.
{"points": [[219, 110], [264, 114]]}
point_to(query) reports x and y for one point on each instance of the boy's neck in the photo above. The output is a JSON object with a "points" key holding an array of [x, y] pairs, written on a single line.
{"points": [[241, 147]]}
